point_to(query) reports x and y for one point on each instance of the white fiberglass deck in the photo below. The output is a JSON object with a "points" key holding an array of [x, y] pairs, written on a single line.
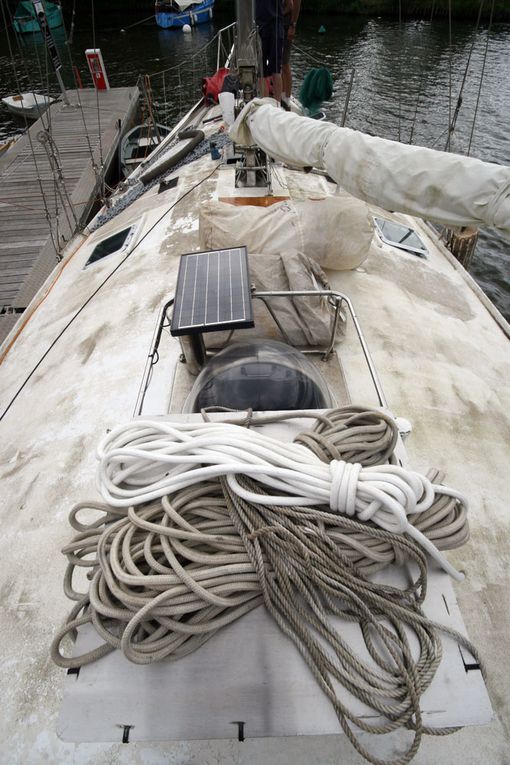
{"points": [[443, 360]]}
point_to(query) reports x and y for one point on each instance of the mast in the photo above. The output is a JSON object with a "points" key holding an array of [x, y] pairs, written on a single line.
{"points": [[246, 43]]}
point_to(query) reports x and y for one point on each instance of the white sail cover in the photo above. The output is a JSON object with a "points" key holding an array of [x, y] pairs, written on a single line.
{"points": [[336, 231], [447, 188], [185, 4]]}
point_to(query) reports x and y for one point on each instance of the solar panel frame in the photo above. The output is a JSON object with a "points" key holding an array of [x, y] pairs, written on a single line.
{"points": [[212, 292]]}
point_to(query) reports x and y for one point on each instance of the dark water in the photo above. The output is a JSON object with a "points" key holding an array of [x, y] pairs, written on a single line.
{"points": [[404, 75]]}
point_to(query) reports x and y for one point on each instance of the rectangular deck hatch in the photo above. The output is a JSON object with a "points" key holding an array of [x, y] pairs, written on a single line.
{"points": [[116, 243], [212, 292], [400, 236]]}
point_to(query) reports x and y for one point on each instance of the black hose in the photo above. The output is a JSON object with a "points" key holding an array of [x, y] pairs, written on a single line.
{"points": [[195, 137]]}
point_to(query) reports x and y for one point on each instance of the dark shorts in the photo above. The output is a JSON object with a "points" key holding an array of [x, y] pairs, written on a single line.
{"points": [[271, 38]]}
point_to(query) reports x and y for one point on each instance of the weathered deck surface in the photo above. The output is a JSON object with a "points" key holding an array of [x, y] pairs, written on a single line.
{"points": [[29, 194]]}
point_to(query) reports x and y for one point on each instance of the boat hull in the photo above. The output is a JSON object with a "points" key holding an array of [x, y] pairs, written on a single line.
{"points": [[24, 24], [29, 105], [198, 14], [138, 144]]}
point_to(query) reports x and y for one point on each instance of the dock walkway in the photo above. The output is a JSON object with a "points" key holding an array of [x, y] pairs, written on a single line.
{"points": [[80, 138]]}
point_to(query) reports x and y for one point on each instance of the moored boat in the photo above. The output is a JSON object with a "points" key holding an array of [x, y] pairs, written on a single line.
{"points": [[138, 144], [173, 14], [25, 18], [29, 105]]}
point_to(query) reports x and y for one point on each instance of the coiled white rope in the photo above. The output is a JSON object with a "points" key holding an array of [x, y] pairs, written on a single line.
{"points": [[146, 460]]}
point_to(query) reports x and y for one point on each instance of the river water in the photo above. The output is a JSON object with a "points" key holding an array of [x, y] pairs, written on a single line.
{"points": [[407, 78]]}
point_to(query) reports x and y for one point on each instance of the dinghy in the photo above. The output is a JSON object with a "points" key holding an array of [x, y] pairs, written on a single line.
{"points": [[29, 105], [138, 144]]}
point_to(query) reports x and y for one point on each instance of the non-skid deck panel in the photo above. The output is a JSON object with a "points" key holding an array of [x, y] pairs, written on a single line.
{"points": [[27, 253], [251, 672]]}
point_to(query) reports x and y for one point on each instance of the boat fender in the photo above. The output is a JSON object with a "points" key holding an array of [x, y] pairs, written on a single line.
{"points": [[195, 137]]}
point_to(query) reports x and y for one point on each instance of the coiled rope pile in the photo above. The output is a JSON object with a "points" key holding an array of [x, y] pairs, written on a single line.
{"points": [[193, 536]]}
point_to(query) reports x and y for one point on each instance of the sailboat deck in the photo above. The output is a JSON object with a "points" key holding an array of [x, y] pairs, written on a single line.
{"points": [[84, 135], [442, 357]]}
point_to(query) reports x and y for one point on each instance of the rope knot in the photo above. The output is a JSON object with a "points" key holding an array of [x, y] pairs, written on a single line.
{"points": [[381, 497], [344, 485]]}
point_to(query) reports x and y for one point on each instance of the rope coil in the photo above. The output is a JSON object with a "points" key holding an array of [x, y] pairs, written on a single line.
{"points": [[146, 460], [168, 573]]}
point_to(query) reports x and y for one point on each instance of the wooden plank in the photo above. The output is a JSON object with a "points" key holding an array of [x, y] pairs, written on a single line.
{"points": [[26, 250]]}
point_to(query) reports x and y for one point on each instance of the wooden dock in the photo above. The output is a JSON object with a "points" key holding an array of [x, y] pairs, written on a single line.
{"points": [[50, 177]]}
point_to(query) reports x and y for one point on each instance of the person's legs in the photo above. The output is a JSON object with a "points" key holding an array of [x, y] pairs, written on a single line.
{"points": [[272, 48], [263, 88], [286, 80], [286, 70], [277, 86]]}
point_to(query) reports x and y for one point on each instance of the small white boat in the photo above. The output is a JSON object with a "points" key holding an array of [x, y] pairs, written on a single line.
{"points": [[138, 143], [30, 105]]}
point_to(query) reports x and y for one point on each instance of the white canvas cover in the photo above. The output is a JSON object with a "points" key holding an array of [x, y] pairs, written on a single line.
{"points": [[334, 231], [306, 321], [447, 188], [184, 4]]}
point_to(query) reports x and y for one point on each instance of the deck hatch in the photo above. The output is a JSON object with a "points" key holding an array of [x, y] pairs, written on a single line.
{"points": [[400, 236], [213, 292], [118, 242]]}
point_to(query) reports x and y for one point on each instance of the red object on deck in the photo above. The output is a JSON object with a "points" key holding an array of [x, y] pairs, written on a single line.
{"points": [[211, 86]]}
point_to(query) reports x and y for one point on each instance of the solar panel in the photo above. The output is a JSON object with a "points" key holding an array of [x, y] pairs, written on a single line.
{"points": [[213, 292]]}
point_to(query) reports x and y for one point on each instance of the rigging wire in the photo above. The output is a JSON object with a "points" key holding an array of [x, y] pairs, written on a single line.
{"points": [[481, 79], [99, 288], [450, 64], [69, 40], [399, 65], [38, 59], [59, 183], [68, 43], [423, 77], [54, 163], [4, 5], [189, 58], [458, 105], [137, 23], [101, 161]]}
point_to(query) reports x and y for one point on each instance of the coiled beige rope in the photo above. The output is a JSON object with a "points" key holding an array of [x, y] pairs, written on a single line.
{"points": [[167, 575]]}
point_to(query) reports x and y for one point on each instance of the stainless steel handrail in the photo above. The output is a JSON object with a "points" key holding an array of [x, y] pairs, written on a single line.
{"points": [[338, 297], [152, 357], [219, 35]]}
